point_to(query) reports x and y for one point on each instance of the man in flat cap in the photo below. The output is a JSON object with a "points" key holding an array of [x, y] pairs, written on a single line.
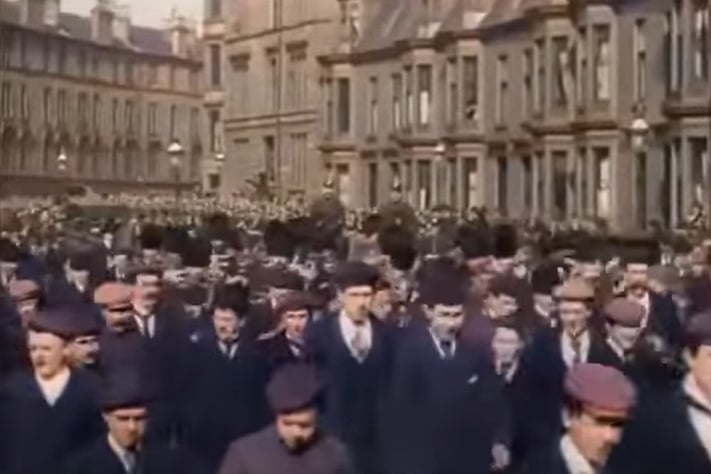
{"points": [[598, 402], [446, 411], [349, 349], [126, 400], [671, 431], [554, 351], [74, 286], [50, 411], [294, 443], [286, 343], [224, 400]]}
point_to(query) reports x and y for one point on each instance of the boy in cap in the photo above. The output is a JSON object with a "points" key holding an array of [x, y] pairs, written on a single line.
{"points": [[349, 349], [49, 410], [126, 403], [453, 421], [294, 442], [598, 402]]}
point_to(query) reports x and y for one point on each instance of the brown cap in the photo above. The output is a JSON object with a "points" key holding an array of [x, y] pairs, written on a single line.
{"points": [[295, 301], [625, 312], [22, 290], [603, 389], [576, 289], [113, 295]]}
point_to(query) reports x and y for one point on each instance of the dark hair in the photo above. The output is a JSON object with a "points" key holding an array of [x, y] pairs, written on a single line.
{"points": [[231, 297]]}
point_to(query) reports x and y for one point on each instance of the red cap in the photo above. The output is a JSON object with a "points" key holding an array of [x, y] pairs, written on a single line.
{"points": [[600, 388]]}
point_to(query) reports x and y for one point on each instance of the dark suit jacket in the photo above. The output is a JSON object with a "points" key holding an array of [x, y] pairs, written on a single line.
{"points": [[99, 458], [39, 437], [445, 415], [263, 453], [664, 320], [354, 390]]}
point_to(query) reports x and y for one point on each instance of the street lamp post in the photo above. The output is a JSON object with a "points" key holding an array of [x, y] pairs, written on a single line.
{"points": [[62, 161], [175, 152]]}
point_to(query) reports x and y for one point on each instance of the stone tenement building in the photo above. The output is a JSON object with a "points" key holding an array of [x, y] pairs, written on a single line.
{"points": [[108, 96], [550, 108]]}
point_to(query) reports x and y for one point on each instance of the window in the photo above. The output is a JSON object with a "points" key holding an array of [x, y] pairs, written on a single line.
{"points": [[173, 121], [83, 111], [152, 116], [601, 63], [328, 98], [601, 183], [274, 13], [582, 169], [372, 184], [397, 101], [452, 91], [699, 166], [273, 81], [47, 105], [240, 85], [540, 101], [409, 102], [527, 83], [6, 37], [560, 184], [81, 63], [215, 142], [24, 103], [96, 117], [470, 88], [194, 123], [470, 183], [215, 65], [344, 105], [115, 111], [61, 106], [269, 157], [128, 117], [640, 61], [560, 71], [62, 58], [296, 81], [527, 179], [582, 80], [152, 74], [46, 53], [6, 100], [502, 85], [424, 86], [701, 38], [373, 106], [215, 9]]}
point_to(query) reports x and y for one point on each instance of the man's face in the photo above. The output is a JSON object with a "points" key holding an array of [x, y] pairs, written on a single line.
{"points": [[636, 277], [147, 293], [49, 353], [506, 345], [85, 350], [700, 368], [545, 304], [445, 320], [127, 426], [573, 316], [356, 301], [8, 269], [118, 319], [295, 323], [501, 305], [595, 436], [297, 429], [80, 277], [226, 323], [27, 307], [382, 303], [625, 337]]}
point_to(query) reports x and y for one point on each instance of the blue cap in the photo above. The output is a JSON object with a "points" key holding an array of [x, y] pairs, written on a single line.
{"points": [[293, 387]]}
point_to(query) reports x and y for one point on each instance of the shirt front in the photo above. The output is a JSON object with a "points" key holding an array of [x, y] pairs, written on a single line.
{"points": [[443, 351], [127, 458], [146, 325], [351, 331], [699, 413], [573, 459], [568, 350], [53, 388]]}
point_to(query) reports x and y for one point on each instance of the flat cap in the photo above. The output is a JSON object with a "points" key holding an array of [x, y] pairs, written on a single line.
{"points": [[113, 295], [82, 260], [505, 285], [546, 277], [576, 289], [601, 388], [295, 301], [293, 387], [351, 274], [57, 321], [284, 279], [698, 329], [624, 312], [23, 290], [126, 386]]}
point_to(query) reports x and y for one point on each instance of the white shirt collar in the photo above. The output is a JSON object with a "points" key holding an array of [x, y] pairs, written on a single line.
{"points": [[146, 324], [567, 347], [619, 351], [349, 328], [53, 388], [645, 301], [438, 345], [700, 418], [574, 460]]}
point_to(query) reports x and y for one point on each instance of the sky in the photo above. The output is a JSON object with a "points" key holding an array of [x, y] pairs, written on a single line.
{"points": [[143, 12]]}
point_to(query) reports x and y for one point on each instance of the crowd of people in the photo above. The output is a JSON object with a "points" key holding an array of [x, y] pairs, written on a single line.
{"points": [[149, 336]]}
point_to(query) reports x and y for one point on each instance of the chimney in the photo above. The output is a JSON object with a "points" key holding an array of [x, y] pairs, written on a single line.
{"points": [[182, 35], [102, 18], [122, 24], [39, 13]]}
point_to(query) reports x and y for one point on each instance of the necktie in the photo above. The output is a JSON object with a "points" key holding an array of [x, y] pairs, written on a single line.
{"points": [[447, 349], [129, 461], [227, 348], [359, 344], [575, 344]]}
